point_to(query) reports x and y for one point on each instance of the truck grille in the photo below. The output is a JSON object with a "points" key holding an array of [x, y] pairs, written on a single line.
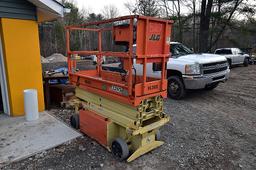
{"points": [[216, 67]]}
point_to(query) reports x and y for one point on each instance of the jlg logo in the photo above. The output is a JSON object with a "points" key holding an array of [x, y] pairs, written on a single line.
{"points": [[155, 37]]}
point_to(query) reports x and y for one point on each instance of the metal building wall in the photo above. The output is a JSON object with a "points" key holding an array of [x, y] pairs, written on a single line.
{"points": [[19, 9]]}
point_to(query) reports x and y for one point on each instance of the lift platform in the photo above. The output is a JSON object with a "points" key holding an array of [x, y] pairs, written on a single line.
{"points": [[121, 110]]}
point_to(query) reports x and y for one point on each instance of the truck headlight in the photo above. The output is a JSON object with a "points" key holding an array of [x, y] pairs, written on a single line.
{"points": [[192, 69]]}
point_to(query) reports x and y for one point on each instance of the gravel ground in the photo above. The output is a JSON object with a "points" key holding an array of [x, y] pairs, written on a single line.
{"points": [[209, 130]]}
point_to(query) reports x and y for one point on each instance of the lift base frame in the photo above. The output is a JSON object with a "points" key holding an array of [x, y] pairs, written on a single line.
{"points": [[140, 138]]}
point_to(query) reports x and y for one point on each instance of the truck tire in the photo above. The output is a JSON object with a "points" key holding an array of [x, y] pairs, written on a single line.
{"points": [[212, 86], [246, 62], [176, 88], [230, 63]]}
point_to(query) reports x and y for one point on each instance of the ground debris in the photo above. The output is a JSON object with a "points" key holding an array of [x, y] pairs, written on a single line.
{"points": [[209, 130]]}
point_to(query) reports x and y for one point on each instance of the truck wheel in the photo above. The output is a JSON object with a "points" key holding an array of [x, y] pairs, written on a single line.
{"points": [[176, 89], [212, 86], [246, 62], [74, 121], [120, 149], [230, 63]]}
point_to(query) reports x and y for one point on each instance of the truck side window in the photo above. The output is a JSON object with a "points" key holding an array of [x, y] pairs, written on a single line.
{"points": [[223, 51], [240, 51], [157, 67], [174, 51]]}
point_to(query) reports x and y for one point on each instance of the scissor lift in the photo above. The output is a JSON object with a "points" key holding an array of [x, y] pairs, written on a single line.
{"points": [[121, 110]]}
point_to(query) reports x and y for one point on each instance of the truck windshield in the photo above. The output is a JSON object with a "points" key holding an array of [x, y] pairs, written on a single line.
{"points": [[178, 50]]}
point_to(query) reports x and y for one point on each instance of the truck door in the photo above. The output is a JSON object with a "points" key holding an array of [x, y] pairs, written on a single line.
{"points": [[240, 56], [235, 56], [138, 70]]}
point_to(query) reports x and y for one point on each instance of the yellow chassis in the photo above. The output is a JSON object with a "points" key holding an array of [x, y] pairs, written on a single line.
{"points": [[138, 126]]}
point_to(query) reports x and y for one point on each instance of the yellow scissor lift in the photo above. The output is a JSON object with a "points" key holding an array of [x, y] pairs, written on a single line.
{"points": [[124, 112]]}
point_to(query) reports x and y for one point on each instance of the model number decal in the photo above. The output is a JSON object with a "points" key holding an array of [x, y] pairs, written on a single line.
{"points": [[119, 90], [153, 87]]}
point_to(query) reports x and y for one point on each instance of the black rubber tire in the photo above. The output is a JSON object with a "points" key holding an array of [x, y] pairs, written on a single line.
{"points": [[212, 86], [74, 121], [120, 149], [250, 61], [246, 62], [180, 92], [230, 63], [158, 135]]}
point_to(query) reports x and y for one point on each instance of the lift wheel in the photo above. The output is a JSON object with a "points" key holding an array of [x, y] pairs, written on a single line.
{"points": [[74, 121], [120, 149]]}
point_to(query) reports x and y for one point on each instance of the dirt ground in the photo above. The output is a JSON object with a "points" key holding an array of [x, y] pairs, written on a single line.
{"points": [[209, 130]]}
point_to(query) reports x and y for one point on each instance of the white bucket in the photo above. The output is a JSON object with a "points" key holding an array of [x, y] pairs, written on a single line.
{"points": [[31, 104]]}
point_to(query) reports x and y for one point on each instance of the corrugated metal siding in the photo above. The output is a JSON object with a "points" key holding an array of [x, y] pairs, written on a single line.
{"points": [[21, 9]]}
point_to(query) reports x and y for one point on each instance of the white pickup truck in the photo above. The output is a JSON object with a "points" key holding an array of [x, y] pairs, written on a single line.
{"points": [[234, 56], [185, 70]]}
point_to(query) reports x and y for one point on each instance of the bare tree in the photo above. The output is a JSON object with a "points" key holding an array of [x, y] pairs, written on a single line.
{"points": [[131, 7], [205, 16], [144, 7], [178, 9], [173, 10], [229, 23], [194, 23], [226, 21], [110, 11], [217, 22]]}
